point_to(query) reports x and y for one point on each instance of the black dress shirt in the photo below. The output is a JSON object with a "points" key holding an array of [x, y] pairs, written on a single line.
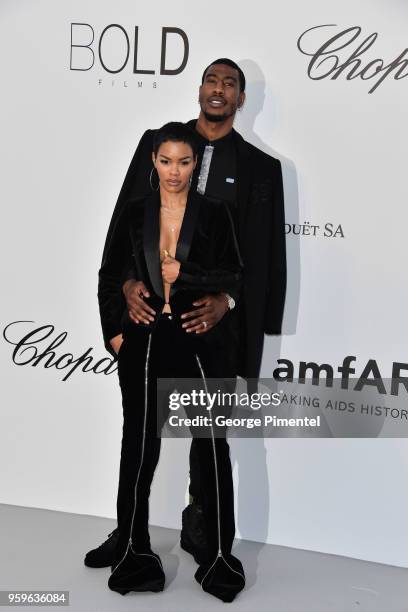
{"points": [[221, 182]]}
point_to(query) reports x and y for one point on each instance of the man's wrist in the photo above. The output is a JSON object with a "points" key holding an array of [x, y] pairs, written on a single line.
{"points": [[127, 284]]}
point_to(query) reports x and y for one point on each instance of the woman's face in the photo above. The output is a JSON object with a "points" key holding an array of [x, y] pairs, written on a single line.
{"points": [[174, 164]]}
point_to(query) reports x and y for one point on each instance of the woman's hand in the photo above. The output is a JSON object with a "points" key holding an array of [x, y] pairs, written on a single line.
{"points": [[170, 269], [116, 342]]}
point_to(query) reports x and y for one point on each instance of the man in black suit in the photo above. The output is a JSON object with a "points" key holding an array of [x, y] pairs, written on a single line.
{"points": [[231, 169]]}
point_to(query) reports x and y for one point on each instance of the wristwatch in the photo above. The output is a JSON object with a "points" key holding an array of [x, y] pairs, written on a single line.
{"points": [[230, 300]]}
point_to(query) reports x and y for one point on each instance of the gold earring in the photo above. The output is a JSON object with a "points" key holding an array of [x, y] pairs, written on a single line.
{"points": [[151, 181]]}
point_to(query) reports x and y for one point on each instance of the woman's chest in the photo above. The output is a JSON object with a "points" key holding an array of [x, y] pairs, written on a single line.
{"points": [[169, 233]]}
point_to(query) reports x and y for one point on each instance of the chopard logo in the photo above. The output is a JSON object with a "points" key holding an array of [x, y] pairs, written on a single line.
{"points": [[349, 55], [37, 348]]}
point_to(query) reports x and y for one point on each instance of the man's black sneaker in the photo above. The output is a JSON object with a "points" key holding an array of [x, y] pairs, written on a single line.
{"points": [[193, 534], [104, 555]]}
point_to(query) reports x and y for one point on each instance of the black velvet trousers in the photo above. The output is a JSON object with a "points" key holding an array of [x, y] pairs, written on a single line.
{"points": [[166, 351]]}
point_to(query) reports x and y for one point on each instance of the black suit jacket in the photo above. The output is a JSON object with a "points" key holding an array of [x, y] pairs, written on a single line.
{"points": [[261, 238], [207, 251]]}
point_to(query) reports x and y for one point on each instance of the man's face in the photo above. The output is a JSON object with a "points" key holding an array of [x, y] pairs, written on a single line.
{"points": [[219, 95]]}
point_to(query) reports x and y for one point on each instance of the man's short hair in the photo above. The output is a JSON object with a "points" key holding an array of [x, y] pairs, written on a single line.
{"points": [[228, 62]]}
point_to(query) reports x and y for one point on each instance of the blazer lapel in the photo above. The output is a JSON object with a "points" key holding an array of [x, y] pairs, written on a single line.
{"points": [[187, 226], [151, 239], [244, 171], [187, 230]]}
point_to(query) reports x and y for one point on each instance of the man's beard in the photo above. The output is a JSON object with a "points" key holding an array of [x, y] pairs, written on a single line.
{"points": [[215, 118], [219, 118]]}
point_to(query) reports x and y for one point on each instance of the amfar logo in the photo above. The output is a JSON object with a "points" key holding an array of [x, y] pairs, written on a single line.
{"points": [[114, 42], [370, 376], [345, 54]]}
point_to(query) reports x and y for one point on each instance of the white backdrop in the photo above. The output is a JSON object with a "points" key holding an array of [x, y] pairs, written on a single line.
{"points": [[67, 137]]}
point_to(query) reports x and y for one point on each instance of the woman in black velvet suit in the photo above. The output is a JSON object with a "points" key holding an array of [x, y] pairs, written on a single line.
{"points": [[182, 246]]}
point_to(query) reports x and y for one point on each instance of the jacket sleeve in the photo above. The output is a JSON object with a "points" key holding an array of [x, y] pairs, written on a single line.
{"points": [[117, 260], [227, 276], [110, 315], [142, 152], [276, 291]]}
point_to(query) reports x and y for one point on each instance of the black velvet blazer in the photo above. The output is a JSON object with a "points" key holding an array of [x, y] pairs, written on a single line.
{"points": [[207, 250]]}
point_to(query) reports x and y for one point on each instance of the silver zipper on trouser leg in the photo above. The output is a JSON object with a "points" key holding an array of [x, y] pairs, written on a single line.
{"points": [[146, 381], [219, 554]]}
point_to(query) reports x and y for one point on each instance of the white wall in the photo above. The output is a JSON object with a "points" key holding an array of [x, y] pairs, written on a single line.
{"points": [[65, 146]]}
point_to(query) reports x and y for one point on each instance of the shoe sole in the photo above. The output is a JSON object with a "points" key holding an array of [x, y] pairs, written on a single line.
{"points": [[154, 587], [98, 565]]}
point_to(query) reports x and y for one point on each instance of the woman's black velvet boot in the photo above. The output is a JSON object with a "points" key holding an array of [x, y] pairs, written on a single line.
{"points": [[137, 572], [224, 577]]}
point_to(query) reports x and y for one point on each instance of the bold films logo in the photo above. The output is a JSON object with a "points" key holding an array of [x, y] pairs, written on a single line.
{"points": [[128, 56]]}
